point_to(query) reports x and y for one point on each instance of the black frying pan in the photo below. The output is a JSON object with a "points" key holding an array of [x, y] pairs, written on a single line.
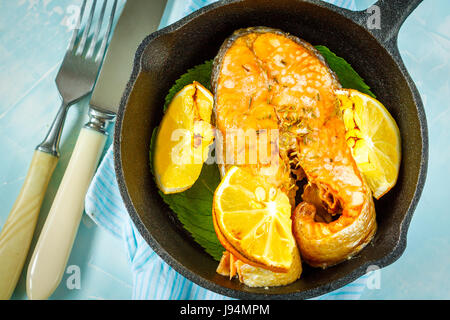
{"points": [[164, 55]]}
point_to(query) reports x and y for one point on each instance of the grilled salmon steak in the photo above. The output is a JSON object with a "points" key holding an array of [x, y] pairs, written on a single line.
{"points": [[265, 80]]}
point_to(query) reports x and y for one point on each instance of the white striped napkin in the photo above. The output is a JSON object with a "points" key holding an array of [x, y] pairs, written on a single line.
{"points": [[152, 277]]}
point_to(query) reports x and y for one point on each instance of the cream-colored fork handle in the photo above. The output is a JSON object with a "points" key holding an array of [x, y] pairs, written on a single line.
{"points": [[54, 245], [16, 234]]}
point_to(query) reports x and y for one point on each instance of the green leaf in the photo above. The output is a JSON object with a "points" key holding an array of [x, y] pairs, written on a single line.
{"points": [[193, 207], [194, 210], [348, 77]]}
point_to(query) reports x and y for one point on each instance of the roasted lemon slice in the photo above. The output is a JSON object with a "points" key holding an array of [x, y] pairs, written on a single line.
{"points": [[252, 220], [183, 139], [374, 139]]}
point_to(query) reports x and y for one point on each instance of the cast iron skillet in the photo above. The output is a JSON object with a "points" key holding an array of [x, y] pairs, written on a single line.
{"points": [[166, 54]]}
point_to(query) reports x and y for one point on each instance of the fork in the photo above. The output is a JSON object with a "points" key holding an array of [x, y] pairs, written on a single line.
{"points": [[75, 79]]}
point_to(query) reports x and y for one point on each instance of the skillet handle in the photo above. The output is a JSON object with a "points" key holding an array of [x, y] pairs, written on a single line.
{"points": [[385, 18]]}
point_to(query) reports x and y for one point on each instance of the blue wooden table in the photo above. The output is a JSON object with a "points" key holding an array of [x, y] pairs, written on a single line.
{"points": [[33, 38]]}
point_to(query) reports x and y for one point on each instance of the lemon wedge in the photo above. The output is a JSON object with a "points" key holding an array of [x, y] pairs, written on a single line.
{"points": [[183, 139], [374, 139]]}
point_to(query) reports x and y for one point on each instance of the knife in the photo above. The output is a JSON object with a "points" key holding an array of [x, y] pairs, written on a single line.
{"points": [[48, 262]]}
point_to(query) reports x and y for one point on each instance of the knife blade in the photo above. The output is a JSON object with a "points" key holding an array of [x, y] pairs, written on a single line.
{"points": [[138, 19], [47, 265]]}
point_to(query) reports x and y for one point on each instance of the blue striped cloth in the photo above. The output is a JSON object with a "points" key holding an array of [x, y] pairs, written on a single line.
{"points": [[152, 277]]}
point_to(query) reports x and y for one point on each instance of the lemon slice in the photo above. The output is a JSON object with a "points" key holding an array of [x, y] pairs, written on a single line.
{"points": [[183, 139], [374, 139], [252, 220]]}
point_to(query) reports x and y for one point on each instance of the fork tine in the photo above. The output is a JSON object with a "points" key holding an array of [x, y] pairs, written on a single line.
{"points": [[101, 51], [77, 27], [96, 31], [86, 29]]}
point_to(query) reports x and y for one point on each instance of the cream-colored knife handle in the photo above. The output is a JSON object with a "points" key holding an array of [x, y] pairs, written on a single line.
{"points": [[16, 234], [54, 245]]}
